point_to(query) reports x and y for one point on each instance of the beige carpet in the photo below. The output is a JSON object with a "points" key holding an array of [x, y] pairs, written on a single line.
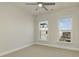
{"points": [[43, 51]]}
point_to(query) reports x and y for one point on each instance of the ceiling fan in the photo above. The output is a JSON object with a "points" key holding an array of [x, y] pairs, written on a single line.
{"points": [[40, 4]]}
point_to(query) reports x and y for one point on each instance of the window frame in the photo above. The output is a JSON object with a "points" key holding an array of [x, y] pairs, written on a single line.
{"points": [[58, 35], [39, 31]]}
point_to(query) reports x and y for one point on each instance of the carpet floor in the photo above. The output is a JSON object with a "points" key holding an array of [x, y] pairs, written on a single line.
{"points": [[43, 51]]}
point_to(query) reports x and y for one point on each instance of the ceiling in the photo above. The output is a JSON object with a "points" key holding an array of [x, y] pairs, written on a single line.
{"points": [[51, 8]]}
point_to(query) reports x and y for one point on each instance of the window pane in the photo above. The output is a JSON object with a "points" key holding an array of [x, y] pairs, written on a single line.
{"points": [[65, 24], [44, 30], [65, 27]]}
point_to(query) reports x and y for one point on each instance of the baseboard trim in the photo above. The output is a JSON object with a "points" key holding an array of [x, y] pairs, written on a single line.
{"points": [[13, 50], [50, 45]]}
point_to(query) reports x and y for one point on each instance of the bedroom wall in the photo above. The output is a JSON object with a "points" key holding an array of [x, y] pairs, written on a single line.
{"points": [[16, 27], [53, 31]]}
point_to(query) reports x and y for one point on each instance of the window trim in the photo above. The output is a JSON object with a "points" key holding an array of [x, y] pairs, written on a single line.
{"points": [[70, 30], [39, 31]]}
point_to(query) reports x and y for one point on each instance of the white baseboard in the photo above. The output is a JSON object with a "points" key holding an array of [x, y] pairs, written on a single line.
{"points": [[10, 51], [50, 45]]}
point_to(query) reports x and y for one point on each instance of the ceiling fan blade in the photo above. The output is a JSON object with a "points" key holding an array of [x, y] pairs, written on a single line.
{"points": [[31, 3], [48, 3], [36, 9], [45, 8]]}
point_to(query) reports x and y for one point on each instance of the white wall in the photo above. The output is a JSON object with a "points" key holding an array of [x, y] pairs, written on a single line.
{"points": [[53, 32], [16, 27]]}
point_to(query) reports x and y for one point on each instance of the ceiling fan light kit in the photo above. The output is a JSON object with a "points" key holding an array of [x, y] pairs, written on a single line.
{"points": [[40, 5]]}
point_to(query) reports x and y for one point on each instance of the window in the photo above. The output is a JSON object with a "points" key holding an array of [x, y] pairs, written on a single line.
{"points": [[44, 30], [65, 27]]}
